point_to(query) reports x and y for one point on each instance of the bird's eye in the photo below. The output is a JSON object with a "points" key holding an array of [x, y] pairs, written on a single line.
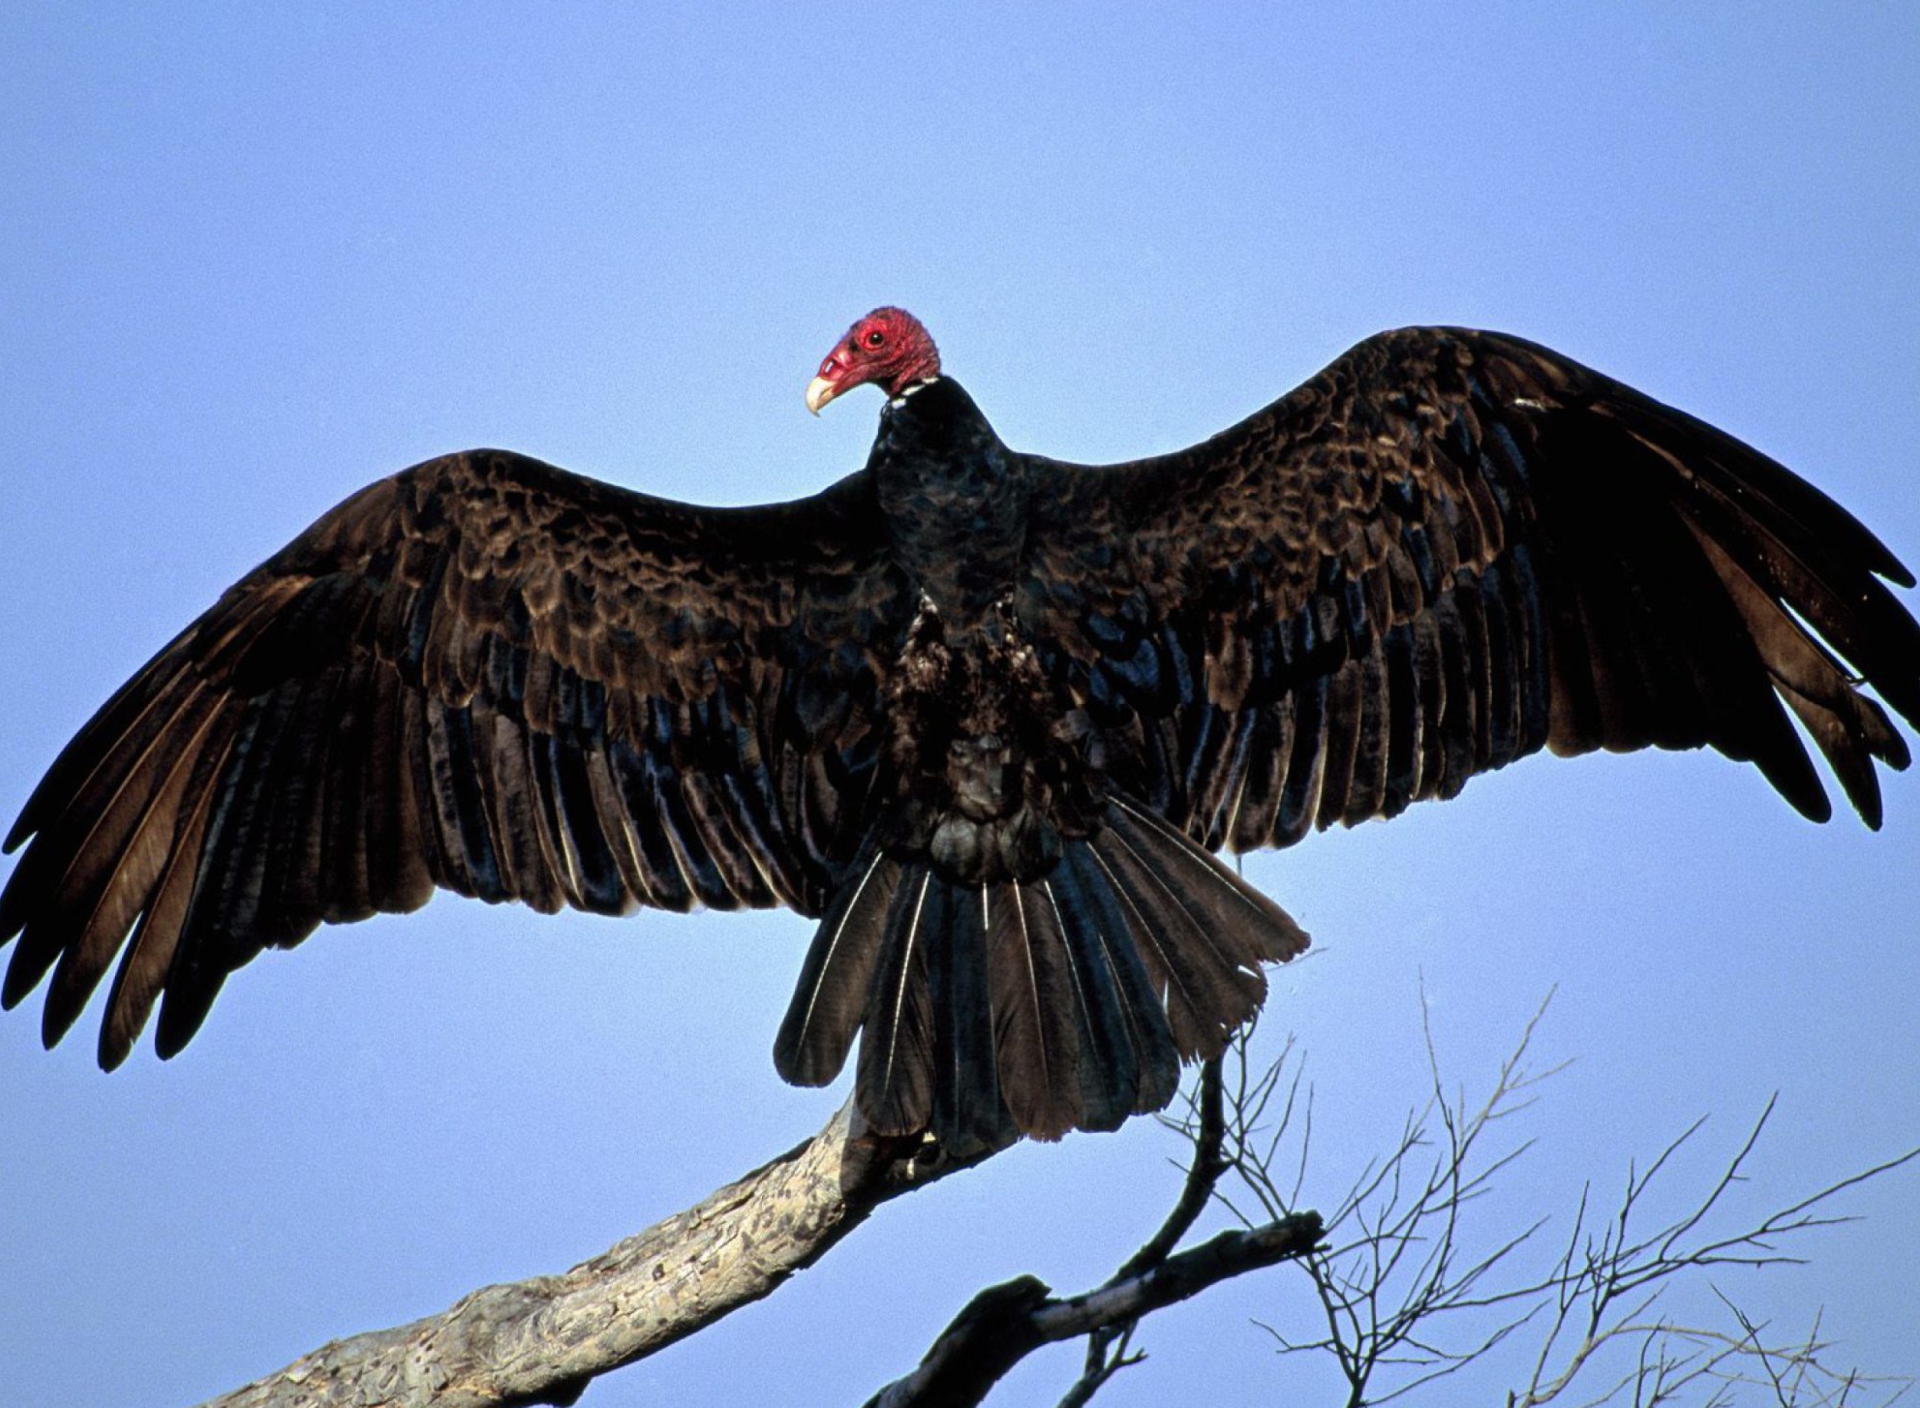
{"points": [[876, 338]]}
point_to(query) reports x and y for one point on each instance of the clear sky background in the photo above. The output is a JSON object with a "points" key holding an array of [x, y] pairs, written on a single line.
{"points": [[252, 257]]}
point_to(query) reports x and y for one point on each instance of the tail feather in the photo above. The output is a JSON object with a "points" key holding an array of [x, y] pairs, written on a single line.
{"points": [[1241, 919], [1066, 1001], [1132, 1066], [967, 1105], [1197, 984], [831, 997], [895, 1077], [1031, 984]]}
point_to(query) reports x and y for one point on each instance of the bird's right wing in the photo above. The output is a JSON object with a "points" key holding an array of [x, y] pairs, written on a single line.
{"points": [[486, 674], [1447, 550]]}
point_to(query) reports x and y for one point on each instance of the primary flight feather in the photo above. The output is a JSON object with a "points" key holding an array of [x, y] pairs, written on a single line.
{"points": [[984, 714]]}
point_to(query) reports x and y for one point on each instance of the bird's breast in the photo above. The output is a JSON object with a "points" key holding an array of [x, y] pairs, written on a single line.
{"points": [[984, 749]]}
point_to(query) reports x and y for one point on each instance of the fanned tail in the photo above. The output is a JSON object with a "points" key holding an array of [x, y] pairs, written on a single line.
{"points": [[1067, 1001]]}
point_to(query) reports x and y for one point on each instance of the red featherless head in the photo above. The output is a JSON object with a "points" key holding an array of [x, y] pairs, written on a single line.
{"points": [[888, 347]]}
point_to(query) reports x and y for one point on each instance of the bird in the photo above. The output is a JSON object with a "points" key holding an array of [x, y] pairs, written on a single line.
{"points": [[990, 718]]}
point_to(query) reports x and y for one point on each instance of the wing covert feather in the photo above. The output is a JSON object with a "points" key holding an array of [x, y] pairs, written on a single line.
{"points": [[483, 674], [1446, 551]]}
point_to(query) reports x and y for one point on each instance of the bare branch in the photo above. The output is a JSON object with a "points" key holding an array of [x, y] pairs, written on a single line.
{"points": [[543, 1340], [1397, 1266], [1399, 1269], [1410, 1294], [1107, 1355], [1205, 1125], [1209, 1132], [1005, 1323]]}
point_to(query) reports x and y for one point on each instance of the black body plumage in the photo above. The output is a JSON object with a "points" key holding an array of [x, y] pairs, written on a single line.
{"points": [[1008, 974], [985, 714], [954, 500]]}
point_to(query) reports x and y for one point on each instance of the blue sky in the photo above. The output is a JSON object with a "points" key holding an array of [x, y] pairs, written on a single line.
{"points": [[253, 257]]}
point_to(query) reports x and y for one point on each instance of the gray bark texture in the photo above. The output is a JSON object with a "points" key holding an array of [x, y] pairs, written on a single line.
{"points": [[543, 1340]]}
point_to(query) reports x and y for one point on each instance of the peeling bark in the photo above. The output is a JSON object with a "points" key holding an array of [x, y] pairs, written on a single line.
{"points": [[544, 1339]]}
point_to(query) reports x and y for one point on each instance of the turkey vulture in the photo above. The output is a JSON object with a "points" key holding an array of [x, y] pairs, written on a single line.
{"points": [[986, 715]]}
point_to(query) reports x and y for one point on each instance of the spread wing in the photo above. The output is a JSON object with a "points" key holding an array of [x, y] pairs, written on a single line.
{"points": [[1446, 551], [486, 674]]}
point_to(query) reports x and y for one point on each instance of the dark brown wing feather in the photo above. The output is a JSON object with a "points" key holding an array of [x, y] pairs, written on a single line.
{"points": [[484, 674], [1448, 550]]}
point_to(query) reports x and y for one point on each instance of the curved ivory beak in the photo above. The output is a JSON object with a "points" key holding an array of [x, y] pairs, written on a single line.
{"points": [[819, 392]]}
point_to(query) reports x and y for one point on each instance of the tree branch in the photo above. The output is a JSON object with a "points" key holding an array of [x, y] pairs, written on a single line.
{"points": [[1209, 1133], [1385, 1286], [1005, 1323], [543, 1340], [1205, 1124]]}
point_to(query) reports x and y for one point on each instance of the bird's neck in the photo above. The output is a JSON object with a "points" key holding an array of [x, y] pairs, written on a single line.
{"points": [[954, 497]]}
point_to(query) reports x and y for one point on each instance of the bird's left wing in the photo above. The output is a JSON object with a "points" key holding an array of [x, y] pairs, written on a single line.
{"points": [[485, 674], [1446, 551]]}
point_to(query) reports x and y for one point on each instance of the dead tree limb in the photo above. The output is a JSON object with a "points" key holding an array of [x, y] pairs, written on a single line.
{"points": [[543, 1340], [1109, 1347], [1005, 1323]]}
